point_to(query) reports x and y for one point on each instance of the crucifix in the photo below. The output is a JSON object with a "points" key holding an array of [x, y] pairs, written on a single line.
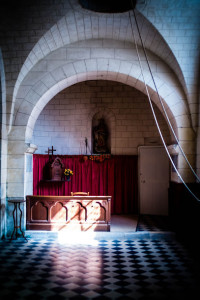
{"points": [[50, 151]]}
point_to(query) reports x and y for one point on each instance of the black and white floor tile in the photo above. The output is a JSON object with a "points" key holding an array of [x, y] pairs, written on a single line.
{"points": [[154, 223], [106, 269]]}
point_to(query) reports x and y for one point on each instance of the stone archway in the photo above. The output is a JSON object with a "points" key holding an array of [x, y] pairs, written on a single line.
{"points": [[20, 136], [67, 55], [128, 73]]}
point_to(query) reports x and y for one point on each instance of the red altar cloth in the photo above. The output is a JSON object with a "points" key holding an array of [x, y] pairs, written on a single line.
{"points": [[116, 177]]}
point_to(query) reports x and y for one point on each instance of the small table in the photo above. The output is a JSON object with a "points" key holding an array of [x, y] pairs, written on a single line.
{"points": [[15, 219]]}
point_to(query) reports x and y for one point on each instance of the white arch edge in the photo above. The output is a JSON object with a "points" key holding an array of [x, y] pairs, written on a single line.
{"points": [[61, 85]]}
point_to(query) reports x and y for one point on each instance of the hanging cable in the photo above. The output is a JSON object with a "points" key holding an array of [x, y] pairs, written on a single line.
{"points": [[155, 118], [161, 102]]}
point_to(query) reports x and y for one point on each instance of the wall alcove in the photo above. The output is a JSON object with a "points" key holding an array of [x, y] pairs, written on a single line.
{"points": [[101, 135], [68, 119]]}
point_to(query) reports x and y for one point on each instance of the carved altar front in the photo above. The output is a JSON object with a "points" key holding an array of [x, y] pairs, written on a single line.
{"points": [[55, 213]]}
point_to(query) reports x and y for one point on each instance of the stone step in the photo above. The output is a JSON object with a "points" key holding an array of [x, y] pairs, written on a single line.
{"points": [[77, 236]]}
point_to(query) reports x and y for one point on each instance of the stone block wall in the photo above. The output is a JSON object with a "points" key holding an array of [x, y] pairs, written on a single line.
{"points": [[67, 119]]}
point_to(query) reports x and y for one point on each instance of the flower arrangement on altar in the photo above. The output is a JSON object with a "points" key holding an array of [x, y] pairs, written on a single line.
{"points": [[68, 173]]}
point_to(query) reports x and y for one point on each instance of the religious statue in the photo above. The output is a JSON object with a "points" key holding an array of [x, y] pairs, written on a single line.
{"points": [[100, 137], [57, 168]]}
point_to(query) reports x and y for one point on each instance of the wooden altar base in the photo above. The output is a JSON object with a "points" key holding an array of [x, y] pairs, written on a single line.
{"points": [[68, 213]]}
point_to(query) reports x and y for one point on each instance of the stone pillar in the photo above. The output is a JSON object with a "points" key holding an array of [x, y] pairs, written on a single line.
{"points": [[15, 173], [3, 149], [3, 177], [188, 144]]}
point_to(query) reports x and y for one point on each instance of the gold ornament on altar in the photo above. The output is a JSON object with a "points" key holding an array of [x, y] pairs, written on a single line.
{"points": [[99, 158]]}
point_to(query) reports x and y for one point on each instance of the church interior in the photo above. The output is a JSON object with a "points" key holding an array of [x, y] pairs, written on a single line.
{"points": [[100, 149]]}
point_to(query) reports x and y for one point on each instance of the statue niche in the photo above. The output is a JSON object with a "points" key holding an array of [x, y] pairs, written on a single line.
{"points": [[100, 138], [57, 169]]}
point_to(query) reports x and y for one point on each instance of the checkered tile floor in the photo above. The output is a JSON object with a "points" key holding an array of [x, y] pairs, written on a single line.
{"points": [[111, 269], [154, 223]]}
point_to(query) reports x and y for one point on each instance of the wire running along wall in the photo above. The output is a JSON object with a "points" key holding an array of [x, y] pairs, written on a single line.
{"points": [[153, 111]]}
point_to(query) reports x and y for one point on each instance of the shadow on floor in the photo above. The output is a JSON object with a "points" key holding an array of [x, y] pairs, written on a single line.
{"points": [[121, 223], [133, 223]]}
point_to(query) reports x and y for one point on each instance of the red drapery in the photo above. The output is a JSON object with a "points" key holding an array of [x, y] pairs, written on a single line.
{"points": [[116, 177]]}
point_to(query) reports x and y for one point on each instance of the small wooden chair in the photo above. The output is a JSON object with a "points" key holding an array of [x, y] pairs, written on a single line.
{"points": [[79, 194]]}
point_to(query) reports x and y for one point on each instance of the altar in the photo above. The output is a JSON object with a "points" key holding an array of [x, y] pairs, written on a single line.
{"points": [[103, 175], [56, 213]]}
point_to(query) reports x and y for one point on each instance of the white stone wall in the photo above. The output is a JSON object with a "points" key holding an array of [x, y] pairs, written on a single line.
{"points": [[67, 119], [179, 22]]}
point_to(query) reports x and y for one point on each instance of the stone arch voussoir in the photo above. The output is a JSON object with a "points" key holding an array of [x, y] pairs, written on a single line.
{"points": [[127, 72]]}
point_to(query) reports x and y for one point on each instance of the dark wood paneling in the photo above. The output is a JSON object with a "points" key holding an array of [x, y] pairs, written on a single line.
{"points": [[184, 211], [39, 211], [59, 212]]}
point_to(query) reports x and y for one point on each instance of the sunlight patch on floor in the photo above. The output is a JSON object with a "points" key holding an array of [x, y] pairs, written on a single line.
{"points": [[77, 238]]}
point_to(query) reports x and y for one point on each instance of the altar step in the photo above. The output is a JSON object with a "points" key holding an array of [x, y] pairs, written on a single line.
{"points": [[122, 227], [81, 236]]}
